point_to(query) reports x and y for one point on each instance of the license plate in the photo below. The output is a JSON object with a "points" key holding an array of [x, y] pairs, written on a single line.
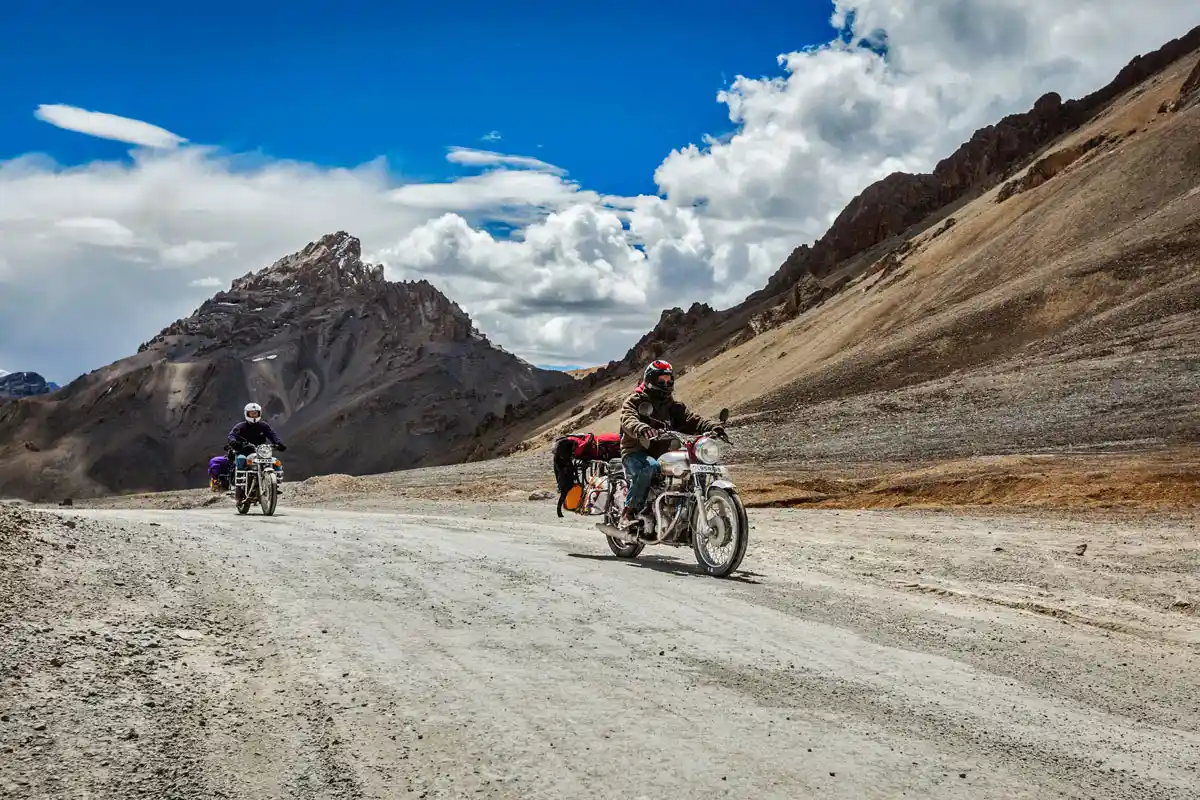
{"points": [[707, 470]]}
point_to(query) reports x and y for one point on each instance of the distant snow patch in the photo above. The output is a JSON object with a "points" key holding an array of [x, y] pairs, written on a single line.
{"points": [[271, 357]]}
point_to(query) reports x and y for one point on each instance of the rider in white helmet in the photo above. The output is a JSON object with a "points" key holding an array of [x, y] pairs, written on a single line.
{"points": [[247, 435]]}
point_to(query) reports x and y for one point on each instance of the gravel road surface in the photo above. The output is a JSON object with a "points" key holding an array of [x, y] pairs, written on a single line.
{"points": [[492, 651]]}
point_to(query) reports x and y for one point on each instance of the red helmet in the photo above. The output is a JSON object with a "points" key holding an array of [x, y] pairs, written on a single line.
{"points": [[659, 377]]}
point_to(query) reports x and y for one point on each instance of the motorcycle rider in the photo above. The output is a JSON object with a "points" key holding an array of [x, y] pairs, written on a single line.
{"points": [[639, 453], [247, 435]]}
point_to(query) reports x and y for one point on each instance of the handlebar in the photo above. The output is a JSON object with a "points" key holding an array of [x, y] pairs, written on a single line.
{"points": [[244, 443], [665, 434]]}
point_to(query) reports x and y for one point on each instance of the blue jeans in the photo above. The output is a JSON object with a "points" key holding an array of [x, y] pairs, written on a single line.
{"points": [[640, 469]]}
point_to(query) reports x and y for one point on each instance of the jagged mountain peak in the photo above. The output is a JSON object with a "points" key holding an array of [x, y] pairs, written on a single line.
{"points": [[326, 279], [331, 263]]}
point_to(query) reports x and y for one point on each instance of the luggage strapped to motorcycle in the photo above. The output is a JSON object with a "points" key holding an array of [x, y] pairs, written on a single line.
{"points": [[581, 460]]}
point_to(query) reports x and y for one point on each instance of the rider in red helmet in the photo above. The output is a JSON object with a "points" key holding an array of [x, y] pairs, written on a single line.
{"points": [[639, 454]]}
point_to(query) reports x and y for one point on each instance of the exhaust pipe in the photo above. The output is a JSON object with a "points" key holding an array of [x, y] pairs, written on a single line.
{"points": [[616, 533]]}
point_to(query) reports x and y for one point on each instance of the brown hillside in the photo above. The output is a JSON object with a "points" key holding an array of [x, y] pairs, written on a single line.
{"points": [[1053, 306]]}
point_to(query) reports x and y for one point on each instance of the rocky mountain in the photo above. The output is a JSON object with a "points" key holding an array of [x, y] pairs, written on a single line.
{"points": [[1059, 244], [358, 375], [15, 385]]}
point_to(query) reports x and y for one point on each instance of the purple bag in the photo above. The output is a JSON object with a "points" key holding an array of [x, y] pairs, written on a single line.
{"points": [[218, 466]]}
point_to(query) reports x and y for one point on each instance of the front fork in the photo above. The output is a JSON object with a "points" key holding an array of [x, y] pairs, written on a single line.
{"points": [[701, 491], [701, 487]]}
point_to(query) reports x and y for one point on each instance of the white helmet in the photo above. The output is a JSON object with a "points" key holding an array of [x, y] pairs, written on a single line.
{"points": [[252, 412]]}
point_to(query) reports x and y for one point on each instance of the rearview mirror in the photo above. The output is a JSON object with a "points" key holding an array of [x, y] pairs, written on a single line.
{"points": [[645, 408], [724, 415]]}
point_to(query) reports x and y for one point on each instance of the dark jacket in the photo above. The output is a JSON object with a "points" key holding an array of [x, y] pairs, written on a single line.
{"points": [[245, 436], [666, 410]]}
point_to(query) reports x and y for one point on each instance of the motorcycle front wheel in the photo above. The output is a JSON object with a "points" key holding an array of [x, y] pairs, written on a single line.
{"points": [[268, 495], [721, 551]]}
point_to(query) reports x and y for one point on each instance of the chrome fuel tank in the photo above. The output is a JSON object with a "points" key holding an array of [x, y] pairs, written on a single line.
{"points": [[674, 464]]}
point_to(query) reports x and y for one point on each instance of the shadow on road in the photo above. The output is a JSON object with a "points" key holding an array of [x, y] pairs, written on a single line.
{"points": [[671, 566]]}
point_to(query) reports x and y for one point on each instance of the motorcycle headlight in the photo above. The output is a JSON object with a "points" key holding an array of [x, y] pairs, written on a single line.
{"points": [[708, 451]]}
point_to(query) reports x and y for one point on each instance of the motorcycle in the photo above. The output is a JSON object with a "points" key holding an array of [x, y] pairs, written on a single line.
{"points": [[693, 500], [259, 481]]}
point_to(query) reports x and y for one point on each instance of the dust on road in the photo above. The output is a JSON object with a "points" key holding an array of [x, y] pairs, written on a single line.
{"points": [[493, 651]]}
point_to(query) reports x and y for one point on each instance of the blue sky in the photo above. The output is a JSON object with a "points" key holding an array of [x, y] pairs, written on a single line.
{"points": [[604, 91], [633, 169]]}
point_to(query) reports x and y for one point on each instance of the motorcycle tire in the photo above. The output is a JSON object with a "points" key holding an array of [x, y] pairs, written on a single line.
{"points": [[742, 537], [612, 516], [622, 550], [243, 504], [268, 496]]}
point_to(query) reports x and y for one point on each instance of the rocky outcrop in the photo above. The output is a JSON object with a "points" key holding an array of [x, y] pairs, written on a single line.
{"points": [[15, 385], [357, 373], [808, 293], [1051, 165], [1189, 92], [674, 326]]}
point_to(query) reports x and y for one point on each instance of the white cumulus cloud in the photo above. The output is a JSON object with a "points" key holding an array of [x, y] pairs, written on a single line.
{"points": [[110, 252], [108, 126]]}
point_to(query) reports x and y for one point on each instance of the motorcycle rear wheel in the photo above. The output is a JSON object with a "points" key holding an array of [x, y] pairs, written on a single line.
{"points": [[612, 516], [735, 524], [622, 550]]}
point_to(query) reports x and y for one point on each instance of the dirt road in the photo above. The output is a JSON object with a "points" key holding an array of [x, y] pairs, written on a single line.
{"points": [[446, 651]]}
